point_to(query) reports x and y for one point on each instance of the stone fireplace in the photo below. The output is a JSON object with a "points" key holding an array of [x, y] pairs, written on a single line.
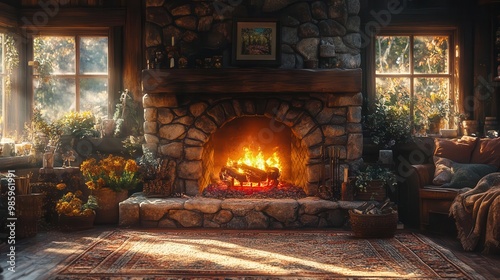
{"points": [[197, 118]]}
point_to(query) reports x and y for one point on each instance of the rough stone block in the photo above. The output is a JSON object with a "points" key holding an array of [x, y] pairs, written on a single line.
{"points": [[129, 213], [354, 146], [204, 205]]}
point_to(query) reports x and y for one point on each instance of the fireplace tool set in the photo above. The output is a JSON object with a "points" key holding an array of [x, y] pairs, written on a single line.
{"points": [[331, 187]]}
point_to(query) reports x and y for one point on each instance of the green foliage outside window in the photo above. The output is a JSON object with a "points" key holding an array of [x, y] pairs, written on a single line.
{"points": [[58, 75], [416, 70]]}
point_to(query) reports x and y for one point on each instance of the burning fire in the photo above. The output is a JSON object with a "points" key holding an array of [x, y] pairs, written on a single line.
{"points": [[252, 169], [256, 161]]}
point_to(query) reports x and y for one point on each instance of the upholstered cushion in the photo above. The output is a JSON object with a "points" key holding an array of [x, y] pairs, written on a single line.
{"points": [[487, 151], [457, 150], [442, 173], [467, 175]]}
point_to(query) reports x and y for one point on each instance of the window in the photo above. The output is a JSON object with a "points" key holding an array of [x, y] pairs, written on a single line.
{"points": [[9, 61], [2, 80], [415, 72], [70, 74]]}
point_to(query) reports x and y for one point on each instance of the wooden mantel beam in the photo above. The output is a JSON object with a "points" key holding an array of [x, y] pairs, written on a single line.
{"points": [[254, 80]]}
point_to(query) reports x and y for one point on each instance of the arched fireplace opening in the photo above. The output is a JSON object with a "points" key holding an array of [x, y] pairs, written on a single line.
{"points": [[260, 151]]}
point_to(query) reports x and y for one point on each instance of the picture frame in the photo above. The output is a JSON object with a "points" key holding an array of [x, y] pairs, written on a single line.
{"points": [[256, 42]]}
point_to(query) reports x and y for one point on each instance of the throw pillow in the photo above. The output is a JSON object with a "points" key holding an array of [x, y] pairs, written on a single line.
{"points": [[467, 175], [487, 151], [457, 150], [442, 173]]}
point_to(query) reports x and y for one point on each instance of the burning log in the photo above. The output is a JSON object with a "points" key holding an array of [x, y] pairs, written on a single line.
{"points": [[248, 173], [229, 173], [254, 174]]}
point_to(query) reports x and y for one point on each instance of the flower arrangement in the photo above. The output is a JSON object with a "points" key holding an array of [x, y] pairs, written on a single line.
{"points": [[375, 173], [71, 204], [114, 172], [78, 124]]}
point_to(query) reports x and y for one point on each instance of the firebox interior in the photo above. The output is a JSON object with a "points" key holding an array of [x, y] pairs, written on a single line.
{"points": [[261, 136]]}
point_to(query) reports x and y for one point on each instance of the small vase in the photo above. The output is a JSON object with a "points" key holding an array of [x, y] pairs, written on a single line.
{"points": [[48, 160], [108, 200]]}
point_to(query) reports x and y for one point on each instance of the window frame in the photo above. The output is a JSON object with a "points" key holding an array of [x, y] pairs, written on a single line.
{"points": [[3, 74], [77, 33], [412, 31]]}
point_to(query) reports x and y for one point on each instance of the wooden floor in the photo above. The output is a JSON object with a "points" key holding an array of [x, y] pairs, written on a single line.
{"points": [[32, 264]]}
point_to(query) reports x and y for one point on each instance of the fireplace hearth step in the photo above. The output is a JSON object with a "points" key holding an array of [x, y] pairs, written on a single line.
{"points": [[201, 212]]}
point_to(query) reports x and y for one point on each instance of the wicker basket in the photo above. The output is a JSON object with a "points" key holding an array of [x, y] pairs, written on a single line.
{"points": [[373, 226]]}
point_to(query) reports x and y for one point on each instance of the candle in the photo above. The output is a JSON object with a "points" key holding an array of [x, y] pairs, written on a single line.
{"points": [[346, 174], [173, 41]]}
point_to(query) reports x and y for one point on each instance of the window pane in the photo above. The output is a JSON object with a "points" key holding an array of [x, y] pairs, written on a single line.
{"points": [[94, 95], [431, 98], [431, 54], [2, 67], [2, 82], [392, 54], [94, 55], [395, 90], [56, 55], [55, 97]]}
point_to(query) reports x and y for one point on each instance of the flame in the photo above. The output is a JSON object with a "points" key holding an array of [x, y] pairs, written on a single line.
{"points": [[257, 161]]}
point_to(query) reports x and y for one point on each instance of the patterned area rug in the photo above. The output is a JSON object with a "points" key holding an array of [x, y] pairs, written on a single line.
{"points": [[135, 254]]}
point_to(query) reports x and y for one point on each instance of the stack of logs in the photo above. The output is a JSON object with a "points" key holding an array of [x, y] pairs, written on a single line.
{"points": [[376, 208], [244, 173]]}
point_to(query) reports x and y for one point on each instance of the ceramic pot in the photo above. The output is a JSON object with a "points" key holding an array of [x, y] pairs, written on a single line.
{"points": [[108, 200]]}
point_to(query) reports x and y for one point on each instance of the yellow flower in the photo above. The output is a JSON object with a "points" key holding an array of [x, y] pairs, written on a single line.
{"points": [[61, 186], [90, 185], [101, 183], [78, 193], [131, 166]]}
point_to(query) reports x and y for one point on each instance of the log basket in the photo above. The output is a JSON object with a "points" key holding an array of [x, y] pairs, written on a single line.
{"points": [[373, 225]]}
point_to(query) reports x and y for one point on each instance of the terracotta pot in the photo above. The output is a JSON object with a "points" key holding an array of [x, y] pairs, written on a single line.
{"points": [[375, 190], [75, 223], [108, 200]]}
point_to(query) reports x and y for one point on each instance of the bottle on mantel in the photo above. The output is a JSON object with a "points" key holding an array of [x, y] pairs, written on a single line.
{"points": [[173, 55]]}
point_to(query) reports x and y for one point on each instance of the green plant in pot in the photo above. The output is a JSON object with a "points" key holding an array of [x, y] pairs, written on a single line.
{"points": [[389, 121], [372, 182]]}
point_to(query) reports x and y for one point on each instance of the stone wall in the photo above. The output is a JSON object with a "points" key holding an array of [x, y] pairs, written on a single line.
{"points": [[326, 31]]}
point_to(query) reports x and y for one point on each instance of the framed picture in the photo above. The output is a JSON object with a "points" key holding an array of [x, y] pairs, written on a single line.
{"points": [[256, 43]]}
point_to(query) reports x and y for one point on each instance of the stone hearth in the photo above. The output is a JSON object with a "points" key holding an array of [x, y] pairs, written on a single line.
{"points": [[196, 212]]}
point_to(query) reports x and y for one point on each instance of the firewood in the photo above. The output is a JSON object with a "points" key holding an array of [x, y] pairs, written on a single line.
{"points": [[233, 173], [255, 174], [273, 173]]}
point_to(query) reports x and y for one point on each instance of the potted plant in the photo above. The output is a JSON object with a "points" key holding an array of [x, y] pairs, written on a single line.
{"points": [[372, 182], [73, 213], [432, 111], [110, 178], [389, 122]]}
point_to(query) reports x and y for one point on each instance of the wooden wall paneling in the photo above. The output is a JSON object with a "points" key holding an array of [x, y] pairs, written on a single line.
{"points": [[8, 16], [132, 49]]}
